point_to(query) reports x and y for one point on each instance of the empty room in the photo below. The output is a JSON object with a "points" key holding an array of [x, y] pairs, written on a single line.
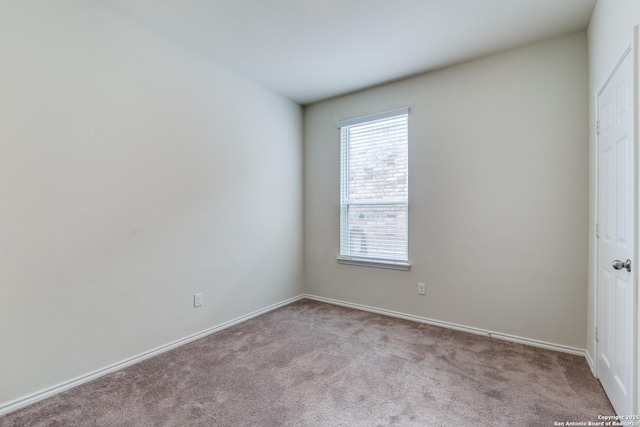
{"points": [[319, 213]]}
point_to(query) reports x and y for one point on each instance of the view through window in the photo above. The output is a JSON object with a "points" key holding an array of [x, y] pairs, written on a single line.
{"points": [[374, 188]]}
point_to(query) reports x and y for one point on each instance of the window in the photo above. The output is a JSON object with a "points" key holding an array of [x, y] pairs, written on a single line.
{"points": [[374, 190]]}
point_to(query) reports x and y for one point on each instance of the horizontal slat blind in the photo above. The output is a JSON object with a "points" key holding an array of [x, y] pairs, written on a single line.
{"points": [[374, 187]]}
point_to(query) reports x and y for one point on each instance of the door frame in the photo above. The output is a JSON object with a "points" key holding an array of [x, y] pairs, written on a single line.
{"points": [[630, 49]]}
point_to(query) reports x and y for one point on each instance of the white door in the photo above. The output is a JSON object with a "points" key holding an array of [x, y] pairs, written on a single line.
{"points": [[616, 242]]}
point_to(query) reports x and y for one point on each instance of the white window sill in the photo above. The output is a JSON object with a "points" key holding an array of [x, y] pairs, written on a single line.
{"points": [[392, 265]]}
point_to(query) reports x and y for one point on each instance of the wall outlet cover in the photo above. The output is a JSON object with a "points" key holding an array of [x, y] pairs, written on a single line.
{"points": [[197, 299]]}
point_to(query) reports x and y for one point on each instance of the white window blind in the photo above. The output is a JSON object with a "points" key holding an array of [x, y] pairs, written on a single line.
{"points": [[374, 188]]}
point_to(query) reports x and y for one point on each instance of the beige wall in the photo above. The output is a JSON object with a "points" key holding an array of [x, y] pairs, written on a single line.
{"points": [[610, 32], [133, 173], [498, 180]]}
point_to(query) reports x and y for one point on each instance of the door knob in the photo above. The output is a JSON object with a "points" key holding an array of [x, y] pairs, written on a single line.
{"points": [[619, 265]]}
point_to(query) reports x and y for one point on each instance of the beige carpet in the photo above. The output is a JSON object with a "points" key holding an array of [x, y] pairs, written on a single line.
{"points": [[314, 364]]}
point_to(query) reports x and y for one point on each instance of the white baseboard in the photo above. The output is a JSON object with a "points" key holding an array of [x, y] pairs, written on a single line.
{"points": [[43, 394], [477, 331], [592, 364]]}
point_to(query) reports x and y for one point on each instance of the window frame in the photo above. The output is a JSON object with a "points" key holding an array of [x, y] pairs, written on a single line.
{"points": [[345, 202]]}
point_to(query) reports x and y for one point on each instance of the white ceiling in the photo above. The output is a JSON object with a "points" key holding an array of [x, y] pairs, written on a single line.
{"points": [[309, 50]]}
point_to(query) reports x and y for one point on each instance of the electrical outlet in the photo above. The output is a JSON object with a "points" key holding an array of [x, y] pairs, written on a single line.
{"points": [[197, 299], [422, 289]]}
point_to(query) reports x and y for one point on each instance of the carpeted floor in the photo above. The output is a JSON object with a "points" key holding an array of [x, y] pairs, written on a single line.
{"points": [[314, 364]]}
